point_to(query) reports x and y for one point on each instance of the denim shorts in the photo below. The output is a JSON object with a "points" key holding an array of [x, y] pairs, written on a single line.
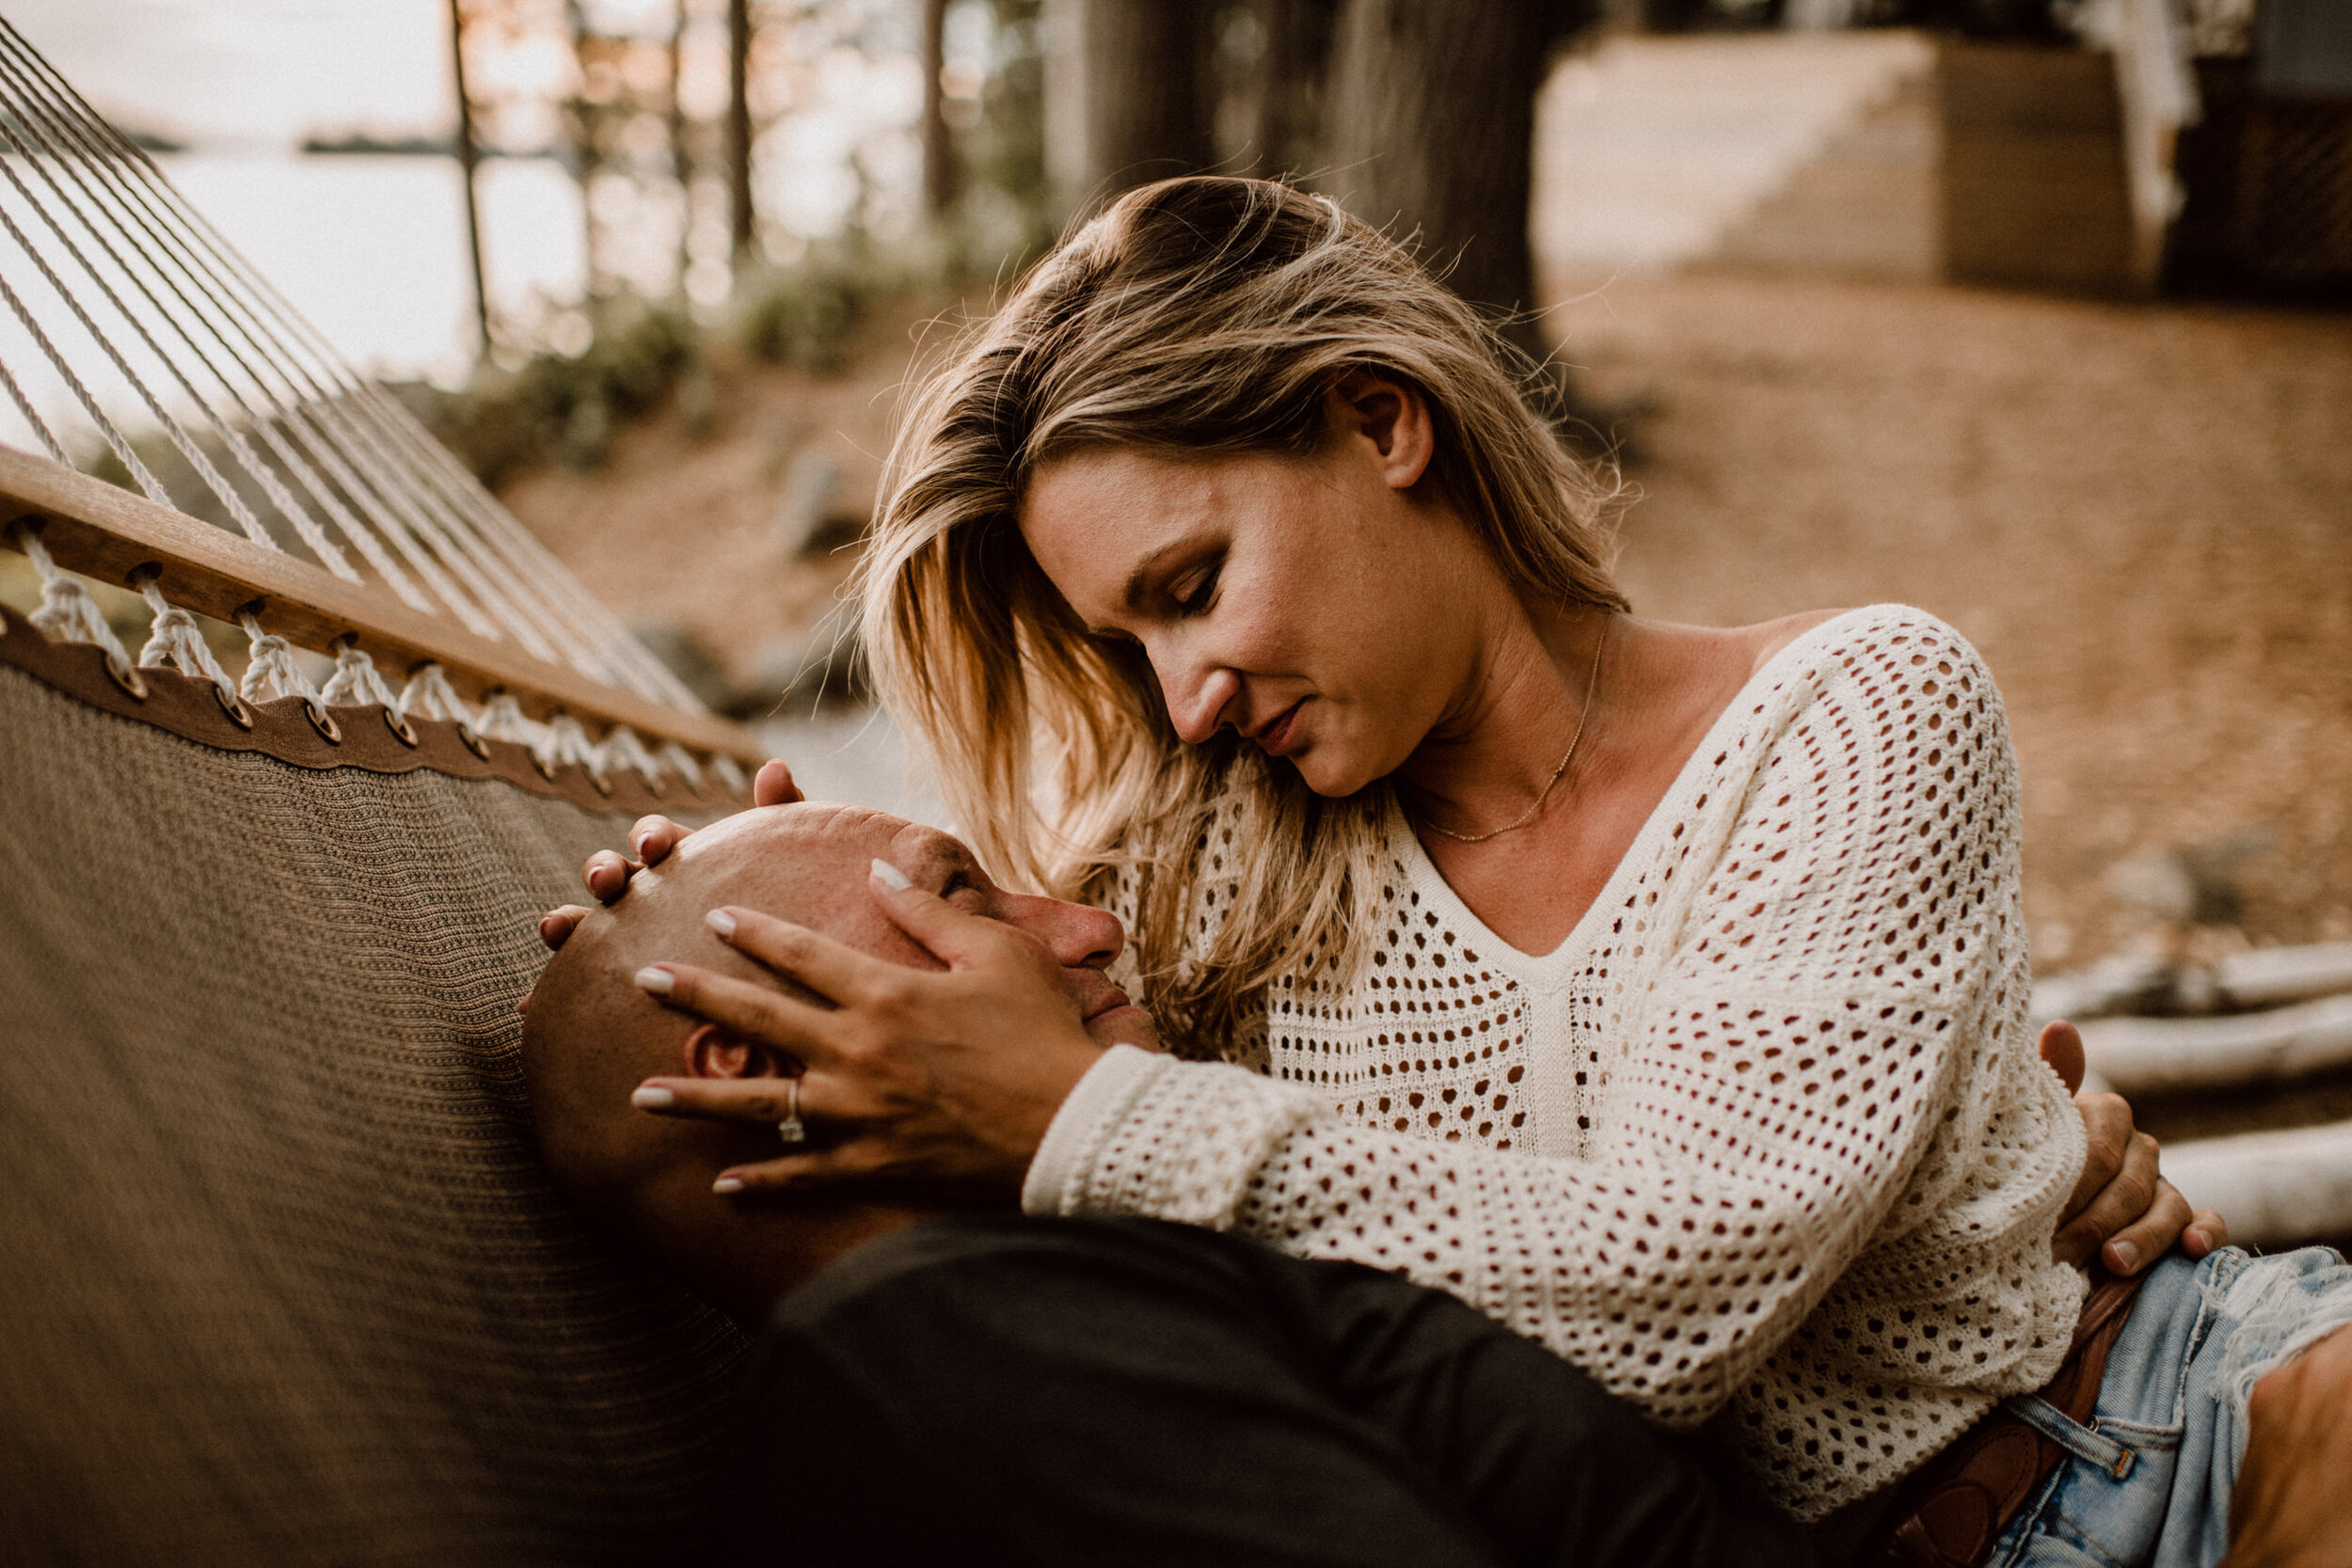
{"points": [[2146, 1482]]}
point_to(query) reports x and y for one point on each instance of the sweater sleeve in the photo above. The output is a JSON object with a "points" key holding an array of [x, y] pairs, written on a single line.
{"points": [[1809, 1068]]}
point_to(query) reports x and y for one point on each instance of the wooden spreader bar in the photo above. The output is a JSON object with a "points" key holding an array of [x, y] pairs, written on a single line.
{"points": [[113, 536]]}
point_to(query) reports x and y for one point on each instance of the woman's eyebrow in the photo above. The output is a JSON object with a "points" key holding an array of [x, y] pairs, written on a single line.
{"points": [[1132, 595]]}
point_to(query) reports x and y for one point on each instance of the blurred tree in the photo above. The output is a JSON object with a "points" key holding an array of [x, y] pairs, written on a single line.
{"points": [[1293, 64], [745, 221], [1142, 79], [681, 136], [1430, 126], [467, 160], [942, 174]]}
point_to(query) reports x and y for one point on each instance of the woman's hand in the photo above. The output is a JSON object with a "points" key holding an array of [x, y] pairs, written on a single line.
{"points": [[650, 842], [2123, 1208], [915, 1078]]}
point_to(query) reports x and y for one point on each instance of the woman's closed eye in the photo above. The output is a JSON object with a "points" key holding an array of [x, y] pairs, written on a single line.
{"points": [[1195, 589]]}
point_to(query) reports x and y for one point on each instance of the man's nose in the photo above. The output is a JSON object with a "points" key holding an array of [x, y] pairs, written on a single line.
{"points": [[1077, 936]]}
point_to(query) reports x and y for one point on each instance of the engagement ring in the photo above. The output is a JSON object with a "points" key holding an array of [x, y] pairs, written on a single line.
{"points": [[792, 1129]]}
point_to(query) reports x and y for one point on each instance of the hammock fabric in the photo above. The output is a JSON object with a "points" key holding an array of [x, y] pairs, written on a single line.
{"points": [[284, 1283]]}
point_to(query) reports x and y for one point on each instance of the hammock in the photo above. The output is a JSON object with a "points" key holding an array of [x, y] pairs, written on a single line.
{"points": [[283, 1282]]}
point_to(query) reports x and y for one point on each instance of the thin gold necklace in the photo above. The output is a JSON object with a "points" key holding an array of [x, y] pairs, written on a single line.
{"points": [[1592, 682]]}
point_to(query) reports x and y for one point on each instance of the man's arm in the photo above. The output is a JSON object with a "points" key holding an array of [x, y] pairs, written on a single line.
{"points": [[997, 1390]]}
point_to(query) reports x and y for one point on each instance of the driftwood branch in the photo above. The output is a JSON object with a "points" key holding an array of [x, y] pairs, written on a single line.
{"points": [[2153, 1055], [2272, 1187], [2263, 977]]}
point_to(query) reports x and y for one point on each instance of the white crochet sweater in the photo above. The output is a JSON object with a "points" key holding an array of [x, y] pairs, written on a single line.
{"points": [[1764, 1141]]}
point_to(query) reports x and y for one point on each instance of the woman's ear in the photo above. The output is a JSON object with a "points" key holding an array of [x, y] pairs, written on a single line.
{"points": [[710, 1051], [1389, 423]]}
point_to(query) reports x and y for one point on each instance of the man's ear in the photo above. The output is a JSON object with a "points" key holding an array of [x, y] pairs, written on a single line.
{"points": [[1390, 419], [712, 1052]]}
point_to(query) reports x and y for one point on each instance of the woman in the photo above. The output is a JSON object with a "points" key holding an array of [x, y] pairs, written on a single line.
{"points": [[1658, 989]]}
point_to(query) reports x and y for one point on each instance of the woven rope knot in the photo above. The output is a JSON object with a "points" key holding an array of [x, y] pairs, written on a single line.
{"points": [[355, 679], [502, 719], [175, 637], [622, 748], [271, 671], [67, 612], [430, 695], [563, 740]]}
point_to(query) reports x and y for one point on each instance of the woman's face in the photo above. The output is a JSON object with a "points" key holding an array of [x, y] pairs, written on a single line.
{"points": [[1327, 607]]}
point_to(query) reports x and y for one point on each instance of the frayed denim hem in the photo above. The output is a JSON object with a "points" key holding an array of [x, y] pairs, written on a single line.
{"points": [[2282, 1305], [2148, 1480]]}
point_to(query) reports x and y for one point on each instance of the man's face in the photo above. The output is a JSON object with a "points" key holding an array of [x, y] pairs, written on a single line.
{"points": [[816, 857]]}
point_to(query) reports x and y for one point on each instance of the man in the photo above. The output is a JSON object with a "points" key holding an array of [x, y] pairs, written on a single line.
{"points": [[979, 1387], [985, 1389]]}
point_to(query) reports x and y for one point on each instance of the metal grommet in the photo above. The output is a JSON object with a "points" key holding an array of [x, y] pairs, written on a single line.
{"points": [[473, 741], [128, 677], [233, 705], [401, 730], [323, 722]]}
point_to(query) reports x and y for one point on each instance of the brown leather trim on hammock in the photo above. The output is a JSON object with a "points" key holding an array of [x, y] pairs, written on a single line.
{"points": [[192, 708]]}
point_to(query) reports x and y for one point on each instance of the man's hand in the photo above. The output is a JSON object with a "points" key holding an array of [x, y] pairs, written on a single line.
{"points": [[650, 842], [2123, 1208]]}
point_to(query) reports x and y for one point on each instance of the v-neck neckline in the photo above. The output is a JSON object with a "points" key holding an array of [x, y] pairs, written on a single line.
{"points": [[1422, 869]]}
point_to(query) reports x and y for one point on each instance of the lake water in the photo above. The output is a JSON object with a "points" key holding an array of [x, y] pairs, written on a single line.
{"points": [[373, 248]]}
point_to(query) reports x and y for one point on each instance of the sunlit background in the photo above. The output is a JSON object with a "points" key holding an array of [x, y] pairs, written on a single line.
{"points": [[2029, 312]]}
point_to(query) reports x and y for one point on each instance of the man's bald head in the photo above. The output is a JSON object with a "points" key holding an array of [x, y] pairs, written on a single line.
{"points": [[592, 1034]]}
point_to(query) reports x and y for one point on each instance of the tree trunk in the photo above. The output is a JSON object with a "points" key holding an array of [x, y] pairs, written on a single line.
{"points": [[1293, 65], [681, 146], [746, 222], [940, 182], [467, 156], [1429, 127], [1140, 77]]}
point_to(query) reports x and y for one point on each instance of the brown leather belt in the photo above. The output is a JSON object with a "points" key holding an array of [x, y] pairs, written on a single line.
{"points": [[1955, 1506]]}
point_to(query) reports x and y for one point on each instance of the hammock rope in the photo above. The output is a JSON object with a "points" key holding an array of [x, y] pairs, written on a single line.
{"points": [[193, 352], [67, 610], [175, 638], [271, 671]]}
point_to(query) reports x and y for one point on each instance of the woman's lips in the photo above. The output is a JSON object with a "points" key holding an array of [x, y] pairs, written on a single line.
{"points": [[1275, 737]]}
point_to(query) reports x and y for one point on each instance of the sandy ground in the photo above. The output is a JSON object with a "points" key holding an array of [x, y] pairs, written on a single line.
{"points": [[708, 532], [2141, 514]]}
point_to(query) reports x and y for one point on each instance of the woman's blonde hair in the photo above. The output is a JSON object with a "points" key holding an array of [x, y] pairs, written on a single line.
{"points": [[1201, 316]]}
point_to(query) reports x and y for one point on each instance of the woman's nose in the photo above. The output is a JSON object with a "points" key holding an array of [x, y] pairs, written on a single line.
{"points": [[1197, 703], [1077, 936]]}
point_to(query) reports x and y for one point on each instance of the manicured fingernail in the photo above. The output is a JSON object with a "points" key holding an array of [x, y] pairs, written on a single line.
{"points": [[891, 876], [651, 1097], [659, 981], [721, 922], [2126, 1256], [727, 1184]]}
